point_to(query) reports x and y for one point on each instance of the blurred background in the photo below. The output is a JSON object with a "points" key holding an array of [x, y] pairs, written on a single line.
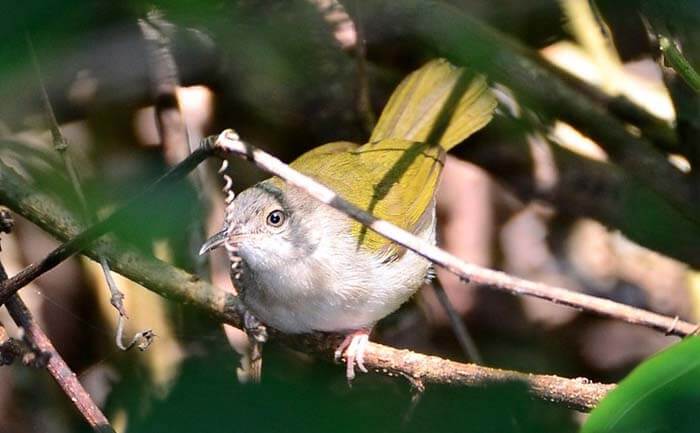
{"points": [[136, 84]]}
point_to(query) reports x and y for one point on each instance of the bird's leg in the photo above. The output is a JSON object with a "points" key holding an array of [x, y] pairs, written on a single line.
{"points": [[257, 336], [353, 348]]}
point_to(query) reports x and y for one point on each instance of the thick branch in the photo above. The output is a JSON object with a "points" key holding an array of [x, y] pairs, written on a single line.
{"points": [[82, 240], [580, 394], [177, 284]]}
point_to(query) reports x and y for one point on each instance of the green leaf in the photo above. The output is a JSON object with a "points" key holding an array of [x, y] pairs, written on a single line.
{"points": [[661, 395]]}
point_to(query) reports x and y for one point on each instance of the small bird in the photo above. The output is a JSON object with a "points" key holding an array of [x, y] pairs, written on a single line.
{"points": [[305, 266]]}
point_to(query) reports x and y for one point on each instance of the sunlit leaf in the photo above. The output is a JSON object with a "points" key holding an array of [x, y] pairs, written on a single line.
{"points": [[661, 395]]}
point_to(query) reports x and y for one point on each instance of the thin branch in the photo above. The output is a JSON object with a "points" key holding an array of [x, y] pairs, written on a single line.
{"points": [[142, 339], [464, 339], [61, 144], [181, 286], [229, 144], [82, 240], [363, 100], [679, 63], [57, 367]]}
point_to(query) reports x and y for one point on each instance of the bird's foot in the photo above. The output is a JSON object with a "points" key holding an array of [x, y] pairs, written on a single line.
{"points": [[257, 336], [254, 328], [353, 349]]}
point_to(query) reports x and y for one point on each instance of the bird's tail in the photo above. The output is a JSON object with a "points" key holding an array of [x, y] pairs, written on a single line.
{"points": [[439, 104]]}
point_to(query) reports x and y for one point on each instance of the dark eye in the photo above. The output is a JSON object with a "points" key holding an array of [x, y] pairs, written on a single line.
{"points": [[276, 218]]}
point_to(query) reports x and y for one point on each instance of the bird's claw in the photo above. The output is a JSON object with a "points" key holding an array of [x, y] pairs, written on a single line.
{"points": [[353, 349], [254, 328]]}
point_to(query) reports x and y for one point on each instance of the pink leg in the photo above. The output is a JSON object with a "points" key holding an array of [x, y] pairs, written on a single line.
{"points": [[353, 348]]}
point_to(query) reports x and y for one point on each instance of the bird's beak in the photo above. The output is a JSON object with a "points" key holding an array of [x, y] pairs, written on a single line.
{"points": [[213, 242]]}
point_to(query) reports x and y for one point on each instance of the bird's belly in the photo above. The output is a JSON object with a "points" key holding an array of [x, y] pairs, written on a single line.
{"points": [[351, 297]]}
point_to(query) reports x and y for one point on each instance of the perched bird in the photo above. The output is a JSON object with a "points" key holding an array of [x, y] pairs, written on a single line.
{"points": [[305, 266]]}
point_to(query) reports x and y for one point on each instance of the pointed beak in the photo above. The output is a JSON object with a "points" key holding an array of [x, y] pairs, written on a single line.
{"points": [[213, 242]]}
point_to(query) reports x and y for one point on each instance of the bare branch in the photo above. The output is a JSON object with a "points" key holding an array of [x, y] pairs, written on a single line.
{"points": [[179, 285], [56, 366], [142, 339], [458, 327], [229, 144], [580, 393]]}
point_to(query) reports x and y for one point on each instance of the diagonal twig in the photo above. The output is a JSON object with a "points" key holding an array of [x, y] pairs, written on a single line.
{"points": [[462, 335], [229, 144], [57, 367]]}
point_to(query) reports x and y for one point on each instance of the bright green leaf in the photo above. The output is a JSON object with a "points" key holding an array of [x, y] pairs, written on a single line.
{"points": [[661, 395]]}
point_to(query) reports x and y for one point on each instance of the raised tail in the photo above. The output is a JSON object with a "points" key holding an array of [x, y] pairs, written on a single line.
{"points": [[438, 104]]}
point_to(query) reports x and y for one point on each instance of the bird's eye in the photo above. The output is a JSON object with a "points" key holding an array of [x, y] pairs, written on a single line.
{"points": [[276, 218]]}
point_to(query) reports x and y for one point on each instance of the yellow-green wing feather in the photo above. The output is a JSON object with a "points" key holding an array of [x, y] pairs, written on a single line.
{"points": [[395, 175], [439, 104], [394, 180], [403, 178]]}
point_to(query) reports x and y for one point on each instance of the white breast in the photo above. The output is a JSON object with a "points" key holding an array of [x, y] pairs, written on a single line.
{"points": [[337, 287]]}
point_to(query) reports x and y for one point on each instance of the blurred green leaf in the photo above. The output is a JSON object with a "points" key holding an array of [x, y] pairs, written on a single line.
{"points": [[661, 395], [301, 396]]}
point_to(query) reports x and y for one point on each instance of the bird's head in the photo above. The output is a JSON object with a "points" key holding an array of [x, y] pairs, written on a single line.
{"points": [[270, 225]]}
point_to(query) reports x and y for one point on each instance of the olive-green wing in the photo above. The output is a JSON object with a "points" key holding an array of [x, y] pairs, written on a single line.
{"points": [[310, 159], [402, 177], [332, 165], [392, 179], [395, 175], [439, 103]]}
